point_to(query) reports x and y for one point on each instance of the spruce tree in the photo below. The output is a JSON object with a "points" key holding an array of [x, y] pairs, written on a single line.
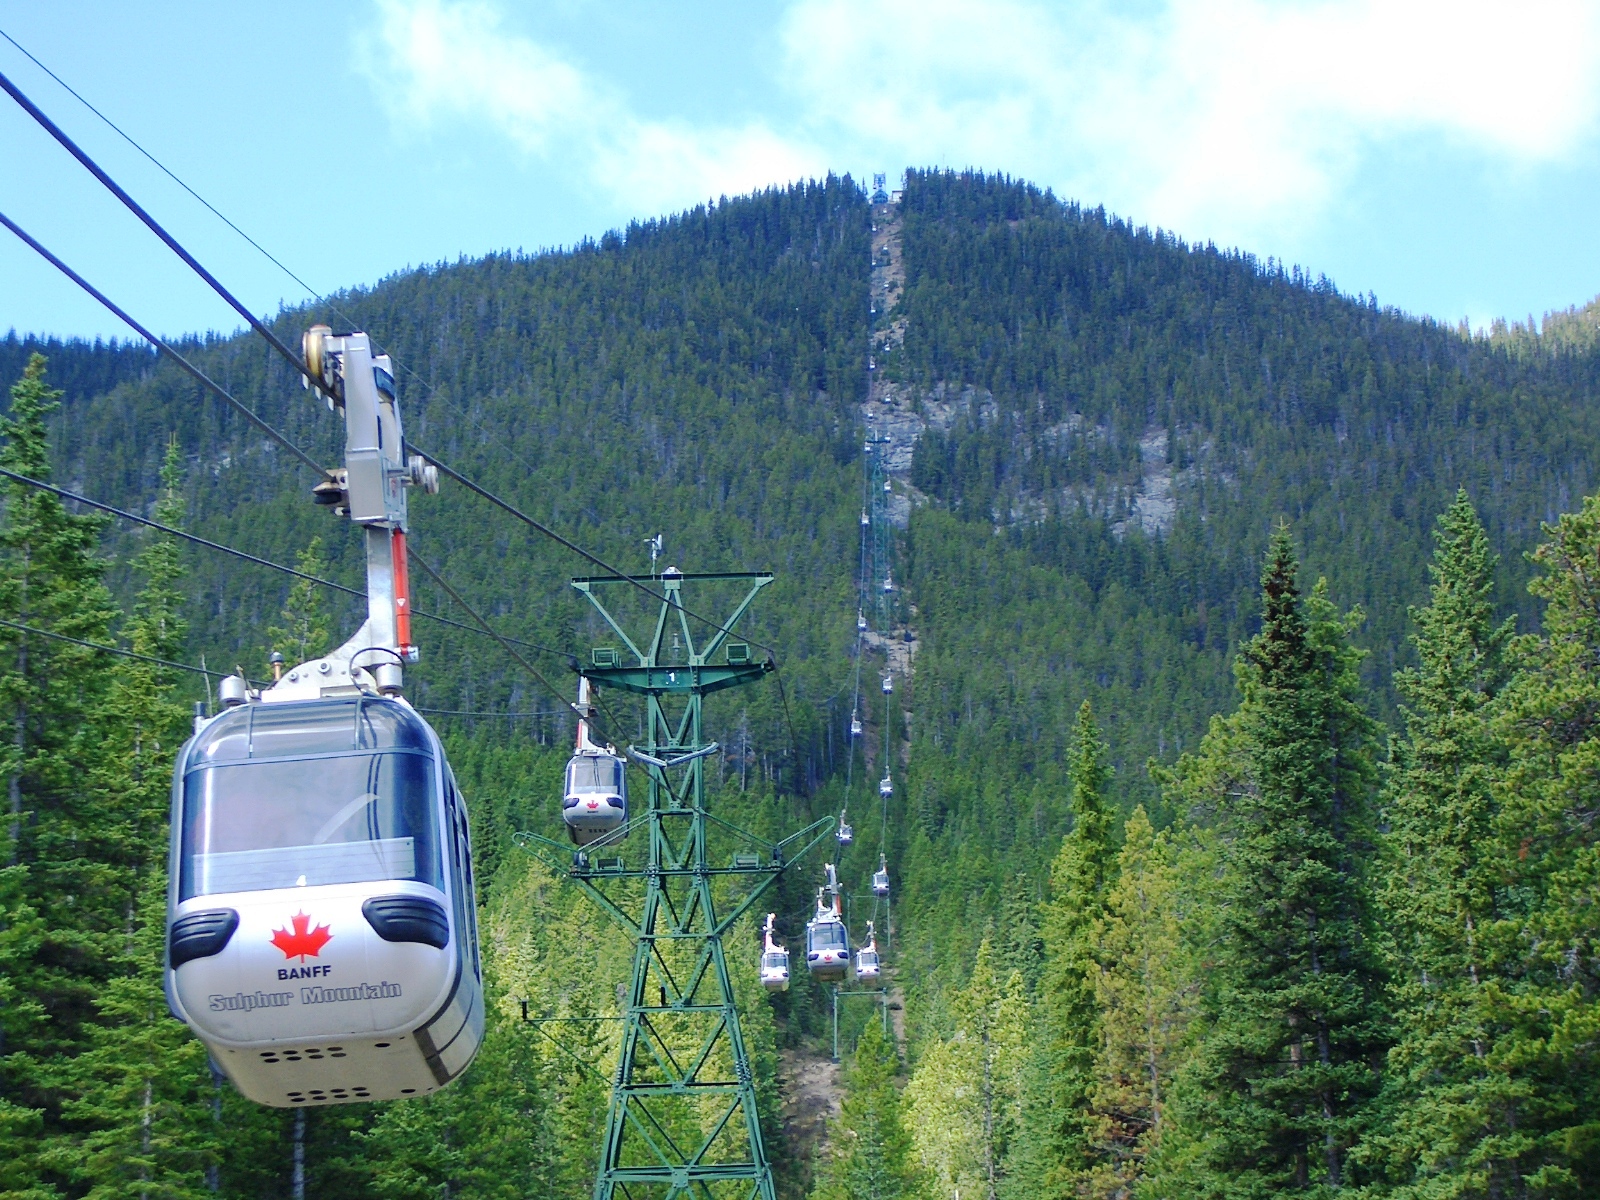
{"points": [[1146, 993], [1539, 1007], [1295, 1024], [140, 1094], [871, 1156], [305, 631], [1069, 1013], [66, 863], [1443, 1101]]}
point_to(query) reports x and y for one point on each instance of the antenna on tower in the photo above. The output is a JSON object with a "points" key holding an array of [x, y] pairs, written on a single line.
{"points": [[655, 550]]}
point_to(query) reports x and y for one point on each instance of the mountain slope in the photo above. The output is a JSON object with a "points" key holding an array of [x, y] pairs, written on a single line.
{"points": [[1095, 430]]}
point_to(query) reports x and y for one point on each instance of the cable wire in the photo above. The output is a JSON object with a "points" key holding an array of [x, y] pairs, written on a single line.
{"points": [[159, 165], [72, 148], [200, 376], [490, 630], [294, 360], [160, 662], [64, 494], [299, 365], [211, 208]]}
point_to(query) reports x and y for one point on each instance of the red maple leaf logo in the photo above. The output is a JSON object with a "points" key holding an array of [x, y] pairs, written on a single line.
{"points": [[304, 940]]}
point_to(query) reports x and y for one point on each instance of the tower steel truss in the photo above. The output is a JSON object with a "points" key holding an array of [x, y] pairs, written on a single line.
{"points": [[682, 1119]]}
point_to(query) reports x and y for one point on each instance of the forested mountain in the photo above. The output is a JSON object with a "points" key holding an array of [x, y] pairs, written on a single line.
{"points": [[1210, 879]]}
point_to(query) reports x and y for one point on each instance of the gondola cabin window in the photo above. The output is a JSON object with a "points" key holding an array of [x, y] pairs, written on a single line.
{"points": [[594, 773], [301, 797]]}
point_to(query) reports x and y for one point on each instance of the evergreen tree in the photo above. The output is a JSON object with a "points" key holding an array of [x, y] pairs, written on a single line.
{"points": [[1539, 1005], [1287, 1067], [871, 1156], [1145, 989], [1069, 1014], [64, 857], [965, 1097], [1445, 1106], [304, 634], [141, 1091]]}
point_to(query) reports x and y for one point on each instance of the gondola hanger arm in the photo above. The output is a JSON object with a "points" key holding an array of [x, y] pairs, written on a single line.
{"points": [[667, 764]]}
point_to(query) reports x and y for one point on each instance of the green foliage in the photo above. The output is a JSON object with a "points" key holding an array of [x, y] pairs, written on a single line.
{"points": [[965, 1096], [701, 376], [1441, 876], [1538, 1011], [1069, 1014], [1146, 986], [1292, 1004], [871, 1156], [304, 634]]}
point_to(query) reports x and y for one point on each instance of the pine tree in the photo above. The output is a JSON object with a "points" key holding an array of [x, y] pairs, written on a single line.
{"points": [[1287, 1067], [1145, 989], [872, 1156], [1442, 1099], [305, 631], [63, 859], [965, 1097], [1069, 1012], [141, 1091], [1538, 1010]]}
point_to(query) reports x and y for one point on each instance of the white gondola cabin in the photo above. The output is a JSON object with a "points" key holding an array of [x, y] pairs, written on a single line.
{"points": [[595, 800], [827, 940], [855, 724], [322, 936], [868, 963], [321, 923], [774, 961], [888, 685], [886, 786], [845, 834], [880, 879]]}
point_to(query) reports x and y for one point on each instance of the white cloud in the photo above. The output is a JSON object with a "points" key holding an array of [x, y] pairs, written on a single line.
{"points": [[1235, 119], [1225, 117], [445, 59]]}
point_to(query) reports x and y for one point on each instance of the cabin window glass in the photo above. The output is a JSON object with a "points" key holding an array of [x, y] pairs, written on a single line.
{"points": [[595, 773], [827, 935], [348, 818]]}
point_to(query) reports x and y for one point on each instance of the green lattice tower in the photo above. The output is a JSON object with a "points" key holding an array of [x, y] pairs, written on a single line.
{"points": [[682, 1119]]}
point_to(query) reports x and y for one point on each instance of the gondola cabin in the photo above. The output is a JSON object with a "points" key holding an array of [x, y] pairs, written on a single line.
{"points": [[595, 800], [868, 964], [844, 834], [322, 938], [774, 961], [827, 943], [880, 879], [886, 786]]}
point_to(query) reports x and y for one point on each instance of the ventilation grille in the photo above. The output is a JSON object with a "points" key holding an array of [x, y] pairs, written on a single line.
{"points": [[329, 1095], [302, 1053]]}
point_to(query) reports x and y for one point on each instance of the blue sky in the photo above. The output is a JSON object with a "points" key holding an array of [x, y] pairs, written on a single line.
{"points": [[1445, 156]]}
